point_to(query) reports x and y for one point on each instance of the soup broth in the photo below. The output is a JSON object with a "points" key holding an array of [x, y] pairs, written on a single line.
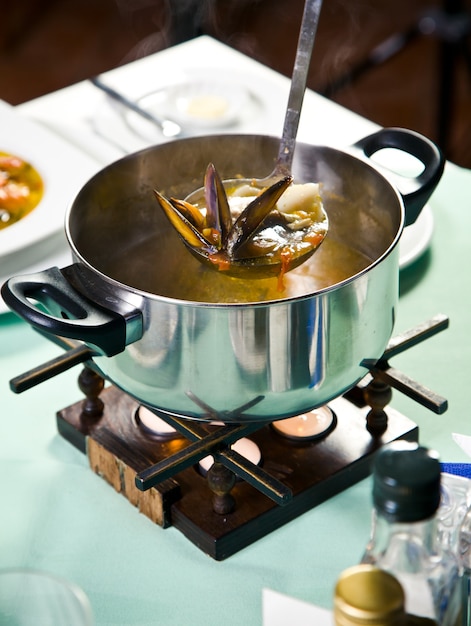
{"points": [[182, 277]]}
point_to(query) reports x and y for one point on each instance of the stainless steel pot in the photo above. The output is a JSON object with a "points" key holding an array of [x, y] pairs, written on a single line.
{"points": [[178, 336]]}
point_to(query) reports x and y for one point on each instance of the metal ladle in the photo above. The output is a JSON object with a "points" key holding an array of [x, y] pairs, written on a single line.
{"points": [[307, 35], [265, 265]]}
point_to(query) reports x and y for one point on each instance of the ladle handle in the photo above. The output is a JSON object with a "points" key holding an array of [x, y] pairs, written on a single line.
{"points": [[307, 34], [415, 190]]}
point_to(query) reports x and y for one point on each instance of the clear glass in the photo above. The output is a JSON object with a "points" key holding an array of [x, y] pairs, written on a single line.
{"points": [[428, 573], [30, 597]]}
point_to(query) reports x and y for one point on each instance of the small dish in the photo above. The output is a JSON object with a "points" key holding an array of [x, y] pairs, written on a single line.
{"points": [[205, 103], [259, 109], [416, 238], [199, 103], [63, 168]]}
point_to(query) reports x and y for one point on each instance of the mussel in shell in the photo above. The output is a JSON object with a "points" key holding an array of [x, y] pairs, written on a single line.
{"points": [[247, 231]]}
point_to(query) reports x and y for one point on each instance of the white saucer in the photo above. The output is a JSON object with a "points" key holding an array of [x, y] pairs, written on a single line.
{"points": [[201, 105], [254, 105], [416, 238]]}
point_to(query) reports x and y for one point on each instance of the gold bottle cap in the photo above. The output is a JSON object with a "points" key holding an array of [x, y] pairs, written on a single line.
{"points": [[365, 594]]}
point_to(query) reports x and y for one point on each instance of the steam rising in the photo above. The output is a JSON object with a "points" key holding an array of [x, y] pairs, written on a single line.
{"points": [[169, 22]]}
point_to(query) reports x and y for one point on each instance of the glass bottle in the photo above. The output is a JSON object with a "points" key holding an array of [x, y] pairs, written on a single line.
{"points": [[368, 596], [404, 536], [365, 594]]}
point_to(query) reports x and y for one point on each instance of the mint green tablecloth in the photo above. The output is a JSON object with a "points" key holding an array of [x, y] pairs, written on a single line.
{"points": [[58, 516]]}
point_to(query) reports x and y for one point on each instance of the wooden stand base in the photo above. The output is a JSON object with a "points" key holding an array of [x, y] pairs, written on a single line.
{"points": [[315, 470]]}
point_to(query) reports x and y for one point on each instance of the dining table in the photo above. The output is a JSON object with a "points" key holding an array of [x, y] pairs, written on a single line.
{"points": [[59, 516]]}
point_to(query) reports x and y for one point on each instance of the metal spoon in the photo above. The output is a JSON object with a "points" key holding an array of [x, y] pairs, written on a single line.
{"points": [[265, 264], [169, 128]]}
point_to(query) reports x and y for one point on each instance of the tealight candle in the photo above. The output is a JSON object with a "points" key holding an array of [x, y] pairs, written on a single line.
{"points": [[153, 424], [311, 425], [245, 447]]}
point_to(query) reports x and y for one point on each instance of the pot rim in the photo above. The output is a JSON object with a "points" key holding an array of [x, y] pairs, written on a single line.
{"points": [[365, 162]]}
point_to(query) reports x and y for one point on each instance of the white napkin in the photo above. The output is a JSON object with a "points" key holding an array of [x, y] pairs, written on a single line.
{"points": [[280, 609], [464, 442]]}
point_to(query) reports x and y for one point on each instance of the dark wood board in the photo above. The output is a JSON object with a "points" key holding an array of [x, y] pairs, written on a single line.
{"points": [[315, 470]]}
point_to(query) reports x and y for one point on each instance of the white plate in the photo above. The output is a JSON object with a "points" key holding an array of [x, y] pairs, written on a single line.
{"points": [[63, 168], [54, 251], [416, 238]]}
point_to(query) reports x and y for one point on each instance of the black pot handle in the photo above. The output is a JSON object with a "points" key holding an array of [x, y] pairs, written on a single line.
{"points": [[415, 190], [53, 306]]}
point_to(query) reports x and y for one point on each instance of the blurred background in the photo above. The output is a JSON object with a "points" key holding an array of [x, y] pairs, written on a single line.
{"points": [[397, 62]]}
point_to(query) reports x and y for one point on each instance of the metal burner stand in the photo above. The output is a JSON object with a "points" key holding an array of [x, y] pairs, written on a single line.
{"points": [[237, 502]]}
